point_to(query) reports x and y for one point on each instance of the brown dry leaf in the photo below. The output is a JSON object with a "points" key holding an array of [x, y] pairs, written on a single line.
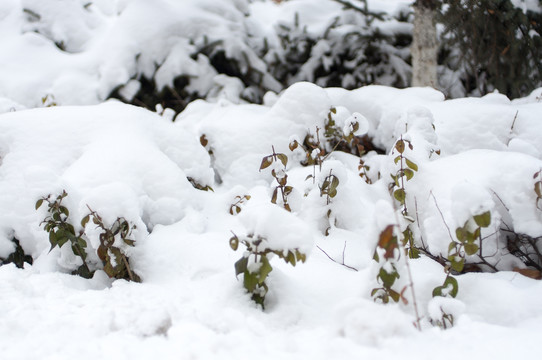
{"points": [[532, 273], [388, 242]]}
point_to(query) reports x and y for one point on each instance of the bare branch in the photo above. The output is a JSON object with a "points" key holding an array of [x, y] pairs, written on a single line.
{"points": [[442, 216], [335, 261]]}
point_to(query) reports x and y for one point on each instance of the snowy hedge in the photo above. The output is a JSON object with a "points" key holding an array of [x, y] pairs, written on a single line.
{"points": [[169, 53]]}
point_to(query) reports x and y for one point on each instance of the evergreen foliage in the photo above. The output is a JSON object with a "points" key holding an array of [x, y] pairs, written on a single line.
{"points": [[492, 44]]}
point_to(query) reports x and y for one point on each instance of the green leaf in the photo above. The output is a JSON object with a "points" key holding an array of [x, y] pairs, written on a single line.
{"points": [[283, 159], [288, 190], [408, 173], [300, 256], [414, 253], [85, 220], [400, 146], [355, 127], [129, 242], [396, 160], [53, 240], [411, 165], [334, 182], [241, 266], [333, 110], [395, 179], [394, 295], [471, 249], [84, 272], [274, 197], [39, 203], [325, 185], [250, 281], [483, 220], [266, 162], [387, 278], [452, 246], [70, 229], [461, 234], [83, 244], [234, 243], [451, 281], [290, 258], [457, 265], [470, 237], [64, 210], [476, 233], [265, 269], [399, 195], [438, 291]]}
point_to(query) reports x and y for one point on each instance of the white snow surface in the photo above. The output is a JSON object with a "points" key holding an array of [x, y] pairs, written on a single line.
{"points": [[125, 161], [473, 155]]}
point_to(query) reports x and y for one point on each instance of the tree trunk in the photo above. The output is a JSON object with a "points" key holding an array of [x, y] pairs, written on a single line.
{"points": [[424, 47]]}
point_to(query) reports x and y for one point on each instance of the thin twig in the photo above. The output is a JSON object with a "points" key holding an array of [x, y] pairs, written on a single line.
{"points": [[407, 264], [514, 122], [441, 215], [127, 265], [498, 197], [335, 261]]}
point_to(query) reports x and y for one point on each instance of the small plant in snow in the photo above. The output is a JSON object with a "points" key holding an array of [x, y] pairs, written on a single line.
{"points": [[469, 242], [112, 240], [444, 320], [18, 256], [235, 208], [469, 238], [61, 231], [335, 138], [279, 162], [329, 190], [343, 138], [329, 187], [363, 171], [198, 186], [48, 101], [255, 266], [387, 254], [405, 173], [314, 154]]}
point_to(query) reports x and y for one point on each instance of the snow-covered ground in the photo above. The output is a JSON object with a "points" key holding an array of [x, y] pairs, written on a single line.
{"points": [[125, 161], [472, 156]]}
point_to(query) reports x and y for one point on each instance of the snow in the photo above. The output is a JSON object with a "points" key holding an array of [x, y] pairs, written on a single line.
{"points": [[125, 161], [473, 155]]}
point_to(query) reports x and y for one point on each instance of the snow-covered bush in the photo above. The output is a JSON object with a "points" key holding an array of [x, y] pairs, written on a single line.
{"points": [[355, 47], [170, 53]]}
